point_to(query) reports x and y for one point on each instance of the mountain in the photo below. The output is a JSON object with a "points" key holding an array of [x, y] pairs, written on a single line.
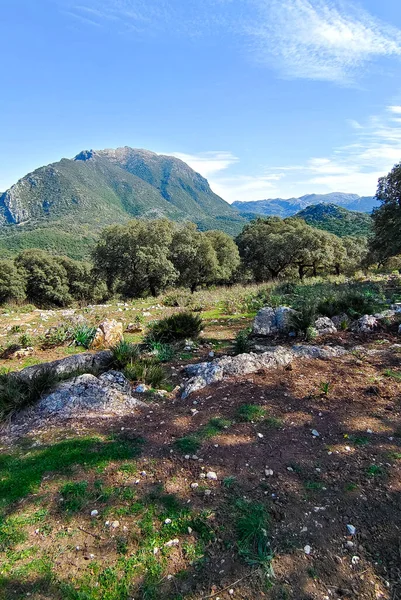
{"points": [[287, 208], [62, 207], [337, 220]]}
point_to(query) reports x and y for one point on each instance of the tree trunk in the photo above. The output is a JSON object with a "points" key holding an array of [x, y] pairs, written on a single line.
{"points": [[301, 271]]}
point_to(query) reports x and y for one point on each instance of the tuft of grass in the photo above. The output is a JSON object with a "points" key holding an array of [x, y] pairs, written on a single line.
{"points": [[214, 427], [148, 371], [375, 471], [229, 482], [189, 444], [125, 353], [16, 393], [303, 320], [251, 412], [252, 539], [164, 352]]}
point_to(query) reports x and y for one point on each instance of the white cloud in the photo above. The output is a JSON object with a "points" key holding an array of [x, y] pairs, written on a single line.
{"points": [[208, 163], [320, 39], [394, 109]]}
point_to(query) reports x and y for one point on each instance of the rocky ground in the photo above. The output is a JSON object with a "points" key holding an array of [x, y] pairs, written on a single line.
{"points": [[280, 483]]}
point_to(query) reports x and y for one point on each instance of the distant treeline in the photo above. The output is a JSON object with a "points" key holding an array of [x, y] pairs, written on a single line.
{"points": [[147, 257]]}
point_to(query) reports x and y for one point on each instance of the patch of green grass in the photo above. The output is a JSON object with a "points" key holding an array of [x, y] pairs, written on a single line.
{"points": [[359, 440], [75, 496], [189, 444], [21, 474], [229, 481], [315, 486], [273, 422], [392, 374], [252, 525], [375, 471], [251, 413], [215, 426], [394, 456], [351, 487]]}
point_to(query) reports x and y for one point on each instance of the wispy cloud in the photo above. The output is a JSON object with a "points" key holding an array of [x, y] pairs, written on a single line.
{"points": [[320, 39], [208, 163]]}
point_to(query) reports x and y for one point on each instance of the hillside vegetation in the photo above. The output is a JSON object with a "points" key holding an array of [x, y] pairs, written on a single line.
{"points": [[337, 220], [61, 207]]}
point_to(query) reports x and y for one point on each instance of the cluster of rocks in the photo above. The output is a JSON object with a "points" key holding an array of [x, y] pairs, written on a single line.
{"points": [[272, 321]]}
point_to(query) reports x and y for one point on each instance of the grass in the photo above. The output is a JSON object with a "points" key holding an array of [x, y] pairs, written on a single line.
{"points": [[392, 374], [375, 471], [252, 524], [190, 444], [249, 413]]}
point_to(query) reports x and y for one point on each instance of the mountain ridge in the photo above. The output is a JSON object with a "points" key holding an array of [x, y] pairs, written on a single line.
{"points": [[282, 207]]}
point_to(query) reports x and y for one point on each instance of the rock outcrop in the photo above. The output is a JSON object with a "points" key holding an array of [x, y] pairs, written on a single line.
{"points": [[324, 325], [207, 373]]}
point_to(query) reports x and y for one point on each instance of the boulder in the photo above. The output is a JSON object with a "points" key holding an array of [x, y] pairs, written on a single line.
{"points": [[108, 334], [365, 324], [324, 325], [341, 320], [85, 362], [134, 328], [270, 321], [110, 393], [386, 314]]}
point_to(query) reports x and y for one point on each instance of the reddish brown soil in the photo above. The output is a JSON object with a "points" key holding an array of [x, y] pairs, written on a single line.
{"points": [[347, 475]]}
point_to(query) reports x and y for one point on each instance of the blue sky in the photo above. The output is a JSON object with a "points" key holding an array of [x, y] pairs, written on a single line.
{"points": [[266, 98]]}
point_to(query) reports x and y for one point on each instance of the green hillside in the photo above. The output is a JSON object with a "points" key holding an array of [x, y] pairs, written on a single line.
{"points": [[337, 220], [63, 206]]}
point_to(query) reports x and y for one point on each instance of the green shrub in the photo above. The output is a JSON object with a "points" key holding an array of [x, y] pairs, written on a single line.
{"points": [[125, 353], [354, 303], [177, 298], [188, 445], [181, 326], [304, 318], [25, 340], [83, 335], [242, 343]]}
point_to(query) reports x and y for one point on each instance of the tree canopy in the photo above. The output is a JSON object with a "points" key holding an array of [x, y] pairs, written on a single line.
{"points": [[387, 218]]}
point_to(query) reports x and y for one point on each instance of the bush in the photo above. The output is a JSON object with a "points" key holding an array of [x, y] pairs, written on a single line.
{"points": [[12, 283], [125, 353], [177, 298], [353, 303], [181, 326], [242, 343]]}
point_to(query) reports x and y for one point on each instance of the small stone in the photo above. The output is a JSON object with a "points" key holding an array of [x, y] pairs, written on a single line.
{"points": [[115, 524], [91, 556], [212, 475], [194, 485], [140, 389], [208, 492], [315, 433], [155, 550], [190, 530], [143, 473], [268, 472], [349, 544], [187, 457], [355, 560], [172, 543], [231, 592], [307, 549], [194, 457], [369, 431], [351, 529], [94, 513], [211, 354], [260, 435], [167, 521]]}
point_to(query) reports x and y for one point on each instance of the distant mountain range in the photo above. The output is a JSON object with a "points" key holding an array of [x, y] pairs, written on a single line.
{"points": [[62, 207], [287, 208]]}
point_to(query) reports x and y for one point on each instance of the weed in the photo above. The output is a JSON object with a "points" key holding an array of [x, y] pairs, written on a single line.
{"points": [[351, 487], [325, 387], [304, 318], [164, 352], [273, 422], [214, 427], [314, 485], [16, 393], [147, 371], [251, 413]]}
